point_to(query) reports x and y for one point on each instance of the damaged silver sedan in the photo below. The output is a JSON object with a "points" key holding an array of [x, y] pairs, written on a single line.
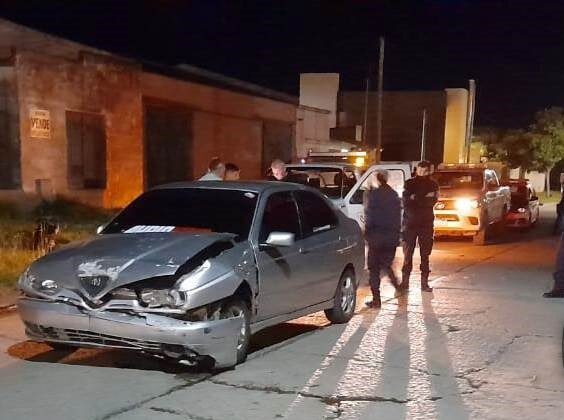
{"points": [[191, 270]]}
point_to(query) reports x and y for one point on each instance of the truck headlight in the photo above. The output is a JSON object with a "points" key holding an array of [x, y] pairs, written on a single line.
{"points": [[466, 204]]}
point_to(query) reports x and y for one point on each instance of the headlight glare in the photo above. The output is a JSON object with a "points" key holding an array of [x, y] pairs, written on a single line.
{"points": [[466, 204], [521, 210]]}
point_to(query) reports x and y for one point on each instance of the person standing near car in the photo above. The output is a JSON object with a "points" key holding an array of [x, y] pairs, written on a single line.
{"points": [[419, 198], [216, 171], [278, 169], [558, 288], [382, 210]]}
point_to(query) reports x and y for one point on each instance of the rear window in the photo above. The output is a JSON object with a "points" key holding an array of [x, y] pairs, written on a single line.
{"points": [[332, 182], [459, 179]]}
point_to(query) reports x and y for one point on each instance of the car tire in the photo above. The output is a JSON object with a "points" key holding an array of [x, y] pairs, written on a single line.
{"points": [[235, 307], [344, 303]]}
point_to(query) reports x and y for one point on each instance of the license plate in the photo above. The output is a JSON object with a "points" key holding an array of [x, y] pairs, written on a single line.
{"points": [[441, 223]]}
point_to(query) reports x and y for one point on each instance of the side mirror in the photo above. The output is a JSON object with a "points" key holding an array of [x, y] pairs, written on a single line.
{"points": [[280, 239]]}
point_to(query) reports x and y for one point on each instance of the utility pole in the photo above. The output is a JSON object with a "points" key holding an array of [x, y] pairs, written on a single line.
{"points": [[470, 117], [365, 123], [423, 133], [380, 94]]}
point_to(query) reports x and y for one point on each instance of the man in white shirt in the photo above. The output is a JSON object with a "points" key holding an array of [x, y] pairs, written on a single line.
{"points": [[216, 171]]}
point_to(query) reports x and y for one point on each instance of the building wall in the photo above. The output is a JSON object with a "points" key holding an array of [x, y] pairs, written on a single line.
{"points": [[226, 124], [10, 177], [455, 126], [312, 130], [402, 122], [320, 90], [91, 83]]}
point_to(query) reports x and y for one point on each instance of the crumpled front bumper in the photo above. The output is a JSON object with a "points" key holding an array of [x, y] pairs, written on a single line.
{"points": [[65, 323]]}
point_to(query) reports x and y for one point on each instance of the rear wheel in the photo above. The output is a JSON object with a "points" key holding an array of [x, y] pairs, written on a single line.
{"points": [[234, 308], [345, 299]]}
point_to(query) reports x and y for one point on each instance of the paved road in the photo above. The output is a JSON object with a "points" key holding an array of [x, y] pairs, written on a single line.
{"points": [[483, 345]]}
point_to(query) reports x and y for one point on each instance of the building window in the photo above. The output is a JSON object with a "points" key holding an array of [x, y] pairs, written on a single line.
{"points": [[86, 140]]}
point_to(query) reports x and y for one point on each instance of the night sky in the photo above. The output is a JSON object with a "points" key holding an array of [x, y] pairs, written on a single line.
{"points": [[514, 49]]}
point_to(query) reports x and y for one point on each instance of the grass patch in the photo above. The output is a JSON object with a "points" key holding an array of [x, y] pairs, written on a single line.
{"points": [[554, 197], [76, 222]]}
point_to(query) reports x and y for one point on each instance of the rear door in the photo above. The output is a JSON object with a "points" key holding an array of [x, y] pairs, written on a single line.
{"points": [[353, 203]]}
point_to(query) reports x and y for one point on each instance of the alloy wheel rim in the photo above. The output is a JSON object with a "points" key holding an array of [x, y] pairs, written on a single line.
{"points": [[347, 294]]}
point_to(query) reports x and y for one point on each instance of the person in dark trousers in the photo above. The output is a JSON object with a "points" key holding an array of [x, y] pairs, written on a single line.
{"points": [[419, 198], [558, 288], [382, 209], [557, 228]]}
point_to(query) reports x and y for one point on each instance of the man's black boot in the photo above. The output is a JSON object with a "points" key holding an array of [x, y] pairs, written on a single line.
{"points": [[376, 302], [425, 283], [554, 294]]}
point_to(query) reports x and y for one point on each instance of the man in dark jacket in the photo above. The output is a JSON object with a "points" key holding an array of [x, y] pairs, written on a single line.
{"points": [[419, 198], [382, 209], [558, 288]]}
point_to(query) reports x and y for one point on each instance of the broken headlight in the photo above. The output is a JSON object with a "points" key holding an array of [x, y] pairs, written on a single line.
{"points": [[28, 282], [155, 298]]}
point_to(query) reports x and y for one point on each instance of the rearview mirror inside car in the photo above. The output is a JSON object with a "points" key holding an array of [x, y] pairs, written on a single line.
{"points": [[280, 239]]}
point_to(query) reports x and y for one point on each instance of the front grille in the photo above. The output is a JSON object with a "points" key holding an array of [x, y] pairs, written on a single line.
{"points": [[88, 338], [447, 217]]}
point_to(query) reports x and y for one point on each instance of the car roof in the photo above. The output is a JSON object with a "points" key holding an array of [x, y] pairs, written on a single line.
{"points": [[251, 186], [332, 165]]}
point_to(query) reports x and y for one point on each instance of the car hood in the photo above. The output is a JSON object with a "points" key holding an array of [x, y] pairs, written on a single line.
{"points": [[454, 193], [123, 258]]}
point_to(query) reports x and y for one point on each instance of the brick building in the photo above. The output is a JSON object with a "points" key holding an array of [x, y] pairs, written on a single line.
{"points": [[97, 128]]}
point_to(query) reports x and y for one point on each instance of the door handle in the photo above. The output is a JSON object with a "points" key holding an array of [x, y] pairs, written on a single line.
{"points": [[304, 251]]}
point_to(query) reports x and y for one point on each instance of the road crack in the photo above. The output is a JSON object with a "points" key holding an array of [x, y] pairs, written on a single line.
{"points": [[146, 400]]}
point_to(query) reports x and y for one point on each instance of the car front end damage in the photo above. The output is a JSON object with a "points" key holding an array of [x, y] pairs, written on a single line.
{"points": [[177, 314]]}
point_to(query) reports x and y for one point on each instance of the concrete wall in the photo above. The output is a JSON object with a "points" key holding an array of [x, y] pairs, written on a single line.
{"points": [[91, 83], [320, 90], [455, 125], [312, 130], [402, 122]]}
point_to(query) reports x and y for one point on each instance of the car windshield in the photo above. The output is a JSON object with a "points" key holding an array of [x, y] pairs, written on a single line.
{"points": [[459, 179], [333, 182], [192, 210], [519, 195]]}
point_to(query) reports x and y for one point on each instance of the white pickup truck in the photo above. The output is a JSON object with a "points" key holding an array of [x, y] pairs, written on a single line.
{"points": [[471, 201]]}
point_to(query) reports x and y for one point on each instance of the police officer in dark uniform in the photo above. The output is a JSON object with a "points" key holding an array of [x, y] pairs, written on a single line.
{"points": [[419, 198], [382, 209]]}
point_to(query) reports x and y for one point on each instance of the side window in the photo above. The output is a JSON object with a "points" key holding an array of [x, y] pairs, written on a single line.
{"points": [[317, 216], [396, 180], [280, 215]]}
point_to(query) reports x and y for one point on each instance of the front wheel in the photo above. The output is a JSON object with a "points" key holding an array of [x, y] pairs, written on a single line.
{"points": [[345, 299], [233, 308]]}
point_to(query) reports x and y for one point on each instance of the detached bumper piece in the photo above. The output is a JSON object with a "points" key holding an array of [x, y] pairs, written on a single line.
{"points": [[64, 323]]}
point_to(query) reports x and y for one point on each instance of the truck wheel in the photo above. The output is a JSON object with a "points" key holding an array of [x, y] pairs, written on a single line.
{"points": [[344, 303]]}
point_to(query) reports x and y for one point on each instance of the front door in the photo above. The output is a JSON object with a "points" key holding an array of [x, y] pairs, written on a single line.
{"points": [[319, 244], [397, 175], [281, 268]]}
